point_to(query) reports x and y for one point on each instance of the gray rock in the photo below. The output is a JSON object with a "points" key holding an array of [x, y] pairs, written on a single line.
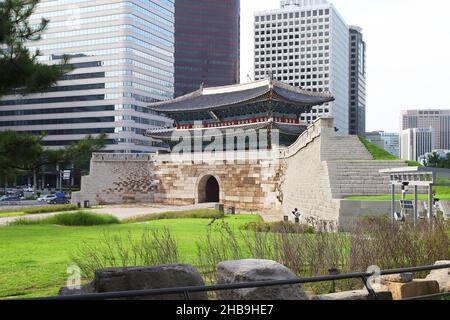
{"points": [[442, 276], [398, 278], [141, 278], [257, 270]]}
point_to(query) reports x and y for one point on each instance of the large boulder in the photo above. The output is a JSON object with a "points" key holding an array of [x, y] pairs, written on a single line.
{"points": [[244, 271], [442, 276], [141, 278]]}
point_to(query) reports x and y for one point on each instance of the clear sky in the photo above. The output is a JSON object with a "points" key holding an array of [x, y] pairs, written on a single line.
{"points": [[408, 53]]}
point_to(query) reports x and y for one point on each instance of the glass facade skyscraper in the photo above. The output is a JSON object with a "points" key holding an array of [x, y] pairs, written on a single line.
{"points": [[123, 58], [207, 45]]}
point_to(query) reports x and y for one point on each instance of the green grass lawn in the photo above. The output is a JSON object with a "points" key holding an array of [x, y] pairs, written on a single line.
{"points": [[376, 152], [34, 259], [442, 193], [397, 197]]}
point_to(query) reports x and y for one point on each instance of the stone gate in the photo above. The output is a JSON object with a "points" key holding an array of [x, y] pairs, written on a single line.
{"points": [[314, 175]]}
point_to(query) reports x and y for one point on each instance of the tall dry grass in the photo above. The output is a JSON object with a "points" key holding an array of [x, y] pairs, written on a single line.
{"points": [[151, 248], [368, 242]]}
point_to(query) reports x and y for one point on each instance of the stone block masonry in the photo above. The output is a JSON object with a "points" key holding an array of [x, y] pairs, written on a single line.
{"points": [[118, 179], [313, 175], [249, 186]]}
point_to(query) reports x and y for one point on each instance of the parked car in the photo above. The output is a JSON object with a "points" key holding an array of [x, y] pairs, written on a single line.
{"points": [[59, 201], [46, 198], [60, 198], [10, 198]]}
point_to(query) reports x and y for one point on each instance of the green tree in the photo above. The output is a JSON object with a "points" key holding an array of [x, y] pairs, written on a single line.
{"points": [[21, 73], [432, 160], [22, 153]]}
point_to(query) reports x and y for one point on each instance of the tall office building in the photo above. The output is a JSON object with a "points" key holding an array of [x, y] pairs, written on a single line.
{"points": [[438, 120], [416, 143], [357, 94], [123, 55], [306, 44], [207, 45]]}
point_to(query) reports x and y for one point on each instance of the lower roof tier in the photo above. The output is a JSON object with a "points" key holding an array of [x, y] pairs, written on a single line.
{"points": [[291, 129]]}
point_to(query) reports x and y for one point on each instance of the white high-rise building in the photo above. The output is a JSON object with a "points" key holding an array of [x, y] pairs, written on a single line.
{"points": [[416, 142], [306, 44], [438, 120], [123, 55]]}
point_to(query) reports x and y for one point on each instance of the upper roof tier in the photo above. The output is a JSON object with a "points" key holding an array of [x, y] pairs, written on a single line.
{"points": [[206, 99]]}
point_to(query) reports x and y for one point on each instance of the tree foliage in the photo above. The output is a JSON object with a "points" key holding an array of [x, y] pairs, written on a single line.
{"points": [[21, 73], [24, 153], [434, 160]]}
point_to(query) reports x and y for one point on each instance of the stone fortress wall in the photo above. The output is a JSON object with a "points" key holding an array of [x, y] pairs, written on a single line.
{"points": [[313, 175]]}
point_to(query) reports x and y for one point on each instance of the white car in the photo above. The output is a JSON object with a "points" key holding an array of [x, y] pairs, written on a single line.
{"points": [[46, 198]]}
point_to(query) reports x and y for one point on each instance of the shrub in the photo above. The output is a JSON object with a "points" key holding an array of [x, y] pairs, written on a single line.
{"points": [[397, 245], [213, 249], [412, 163], [193, 214], [42, 209], [279, 227], [368, 242], [50, 209], [155, 247], [80, 218]]}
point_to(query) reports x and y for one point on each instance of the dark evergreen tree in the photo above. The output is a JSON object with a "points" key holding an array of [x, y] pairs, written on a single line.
{"points": [[21, 73]]}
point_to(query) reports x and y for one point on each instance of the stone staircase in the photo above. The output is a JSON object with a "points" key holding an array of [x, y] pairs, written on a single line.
{"points": [[359, 178], [351, 168], [343, 148]]}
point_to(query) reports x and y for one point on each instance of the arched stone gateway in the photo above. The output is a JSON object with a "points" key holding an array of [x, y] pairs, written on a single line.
{"points": [[208, 190]]}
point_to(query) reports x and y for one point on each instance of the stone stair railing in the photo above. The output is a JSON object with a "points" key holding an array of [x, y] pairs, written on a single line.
{"points": [[316, 129]]}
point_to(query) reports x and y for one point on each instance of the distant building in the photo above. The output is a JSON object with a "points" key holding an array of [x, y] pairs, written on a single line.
{"points": [[391, 143], [386, 140], [306, 44], [375, 138], [207, 44], [123, 58], [357, 86], [416, 143], [438, 120]]}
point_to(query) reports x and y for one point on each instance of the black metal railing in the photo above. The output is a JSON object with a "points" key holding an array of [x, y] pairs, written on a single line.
{"points": [[186, 291]]}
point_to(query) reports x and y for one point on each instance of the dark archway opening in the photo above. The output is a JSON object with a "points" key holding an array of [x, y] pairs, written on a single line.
{"points": [[212, 190], [208, 190]]}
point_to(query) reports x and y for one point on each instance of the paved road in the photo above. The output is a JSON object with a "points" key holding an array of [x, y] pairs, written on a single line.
{"points": [[121, 212], [20, 204]]}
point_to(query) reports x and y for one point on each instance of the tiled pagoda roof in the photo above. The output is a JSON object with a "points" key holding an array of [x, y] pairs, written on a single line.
{"points": [[206, 99]]}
